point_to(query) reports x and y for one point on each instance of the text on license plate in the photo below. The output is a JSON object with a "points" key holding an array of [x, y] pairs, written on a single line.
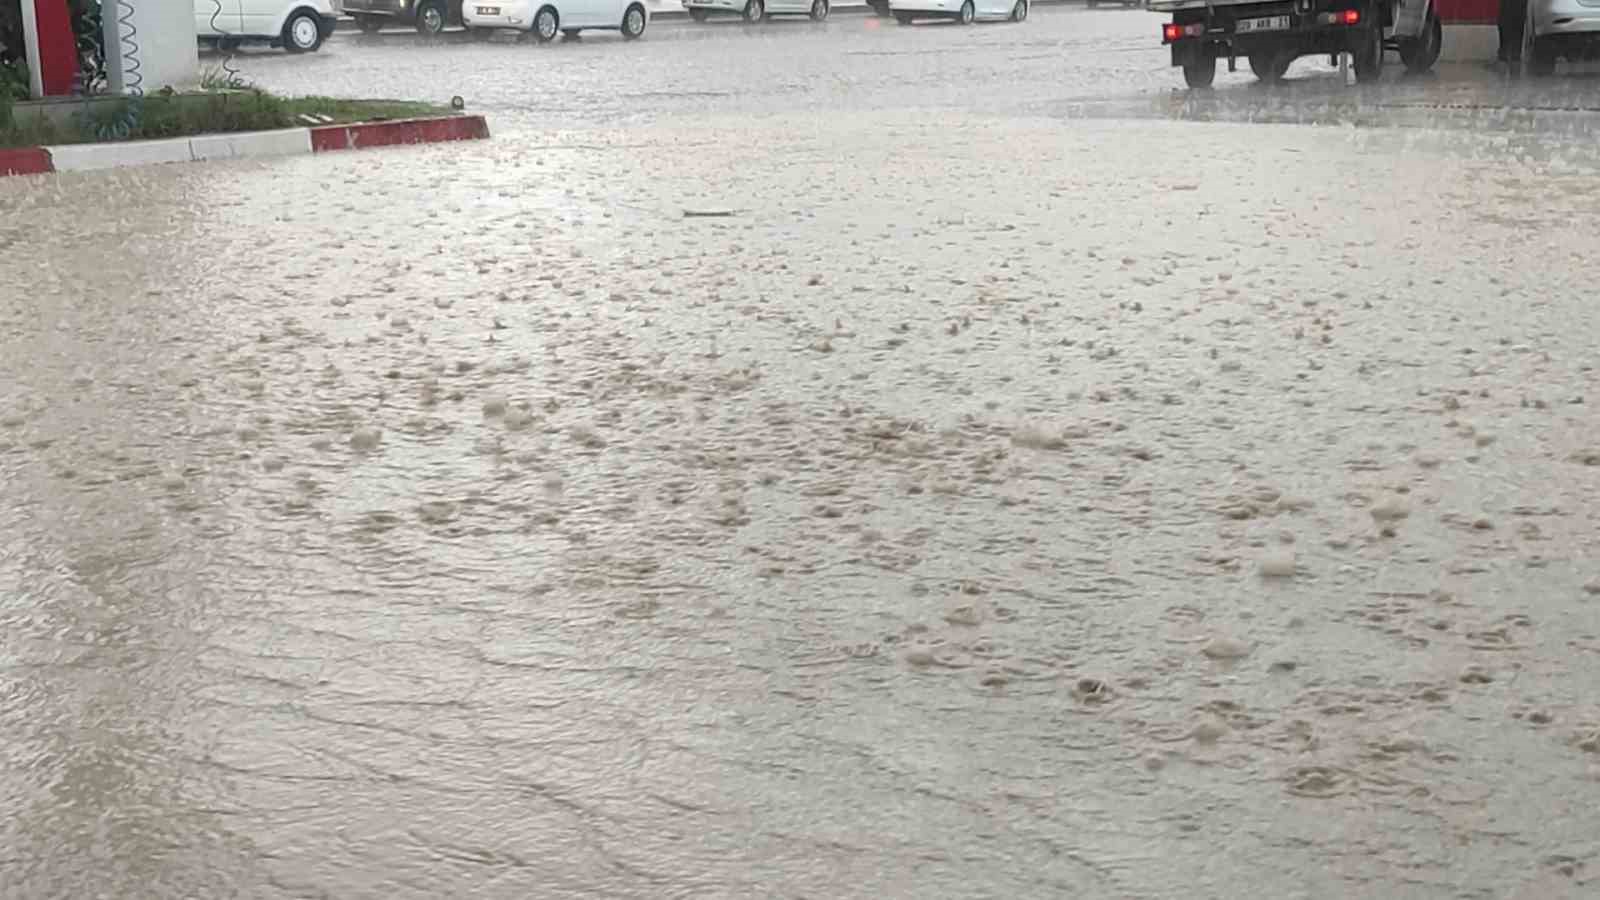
{"points": [[1270, 23], [488, 10]]}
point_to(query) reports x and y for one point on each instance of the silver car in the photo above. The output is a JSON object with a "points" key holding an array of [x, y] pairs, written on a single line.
{"points": [[1562, 29]]}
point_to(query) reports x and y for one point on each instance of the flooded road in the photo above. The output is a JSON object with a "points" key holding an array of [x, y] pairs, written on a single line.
{"points": [[984, 507]]}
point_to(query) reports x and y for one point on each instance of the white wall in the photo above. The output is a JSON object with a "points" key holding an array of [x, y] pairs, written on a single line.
{"points": [[167, 53]]}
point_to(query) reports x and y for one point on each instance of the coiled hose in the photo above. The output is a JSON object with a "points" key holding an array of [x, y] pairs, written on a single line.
{"points": [[230, 75], [123, 125]]}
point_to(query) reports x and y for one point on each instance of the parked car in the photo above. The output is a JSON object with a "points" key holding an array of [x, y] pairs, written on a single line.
{"points": [[429, 17], [1563, 29], [547, 18], [964, 11], [298, 26], [756, 10]]}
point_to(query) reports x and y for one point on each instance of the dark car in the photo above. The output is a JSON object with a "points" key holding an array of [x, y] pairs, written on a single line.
{"points": [[430, 17]]}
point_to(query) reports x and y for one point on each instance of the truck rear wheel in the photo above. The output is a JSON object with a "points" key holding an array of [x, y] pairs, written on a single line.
{"points": [[1368, 52], [1421, 52], [1271, 66], [1199, 73]]}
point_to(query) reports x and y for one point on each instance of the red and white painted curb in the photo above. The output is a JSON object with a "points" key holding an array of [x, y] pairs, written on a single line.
{"points": [[242, 145]]}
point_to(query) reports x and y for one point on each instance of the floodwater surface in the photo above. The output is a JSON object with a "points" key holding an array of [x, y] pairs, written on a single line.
{"points": [[985, 507]]}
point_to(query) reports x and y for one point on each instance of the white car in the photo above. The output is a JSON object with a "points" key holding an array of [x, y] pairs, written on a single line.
{"points": [[547, 18], [1568, 29], [298, 26], [756, 10], [964, 11]]}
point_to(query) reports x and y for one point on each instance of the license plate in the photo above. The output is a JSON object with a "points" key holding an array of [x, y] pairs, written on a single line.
{"points": [[488, 10], [1270, 23]]}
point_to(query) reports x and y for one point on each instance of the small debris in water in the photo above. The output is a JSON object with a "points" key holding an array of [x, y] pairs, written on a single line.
{"points": [[1210, 731], [1278, 564], [518, 418], [965, 616], [1226, 648], [1091, 690], [1390, 509], [1037, 437]]}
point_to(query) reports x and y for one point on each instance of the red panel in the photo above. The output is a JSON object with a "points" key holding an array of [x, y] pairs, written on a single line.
{"points": [[405, 131], [1468, 12], [58, 49], [25, 161], [330, 137]]}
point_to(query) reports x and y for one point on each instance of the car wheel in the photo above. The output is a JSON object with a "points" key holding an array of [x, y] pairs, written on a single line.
{"points": [[1368, 53], [633, 22], [1019, 13], [819, 10], [545, 24], [369, 24], [1420, 53], [302, 33], [755, 11], [430, 18], [1201, 72], [903, 18], [699, 15], [967, 14]]}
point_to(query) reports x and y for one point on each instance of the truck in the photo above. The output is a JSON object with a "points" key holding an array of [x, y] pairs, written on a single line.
{"points": [[1272, 34]]}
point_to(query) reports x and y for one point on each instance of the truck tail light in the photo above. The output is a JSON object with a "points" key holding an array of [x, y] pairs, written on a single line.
{"points": [[1172, 32], [1342, 17]]}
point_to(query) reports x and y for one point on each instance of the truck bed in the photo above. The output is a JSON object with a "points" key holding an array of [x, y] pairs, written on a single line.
{"points": [[1175, 5]]}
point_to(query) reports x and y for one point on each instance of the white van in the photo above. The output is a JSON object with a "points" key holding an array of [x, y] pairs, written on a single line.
{"points": [[964, 11], [757, 10], [298, 26], [547, 18]]}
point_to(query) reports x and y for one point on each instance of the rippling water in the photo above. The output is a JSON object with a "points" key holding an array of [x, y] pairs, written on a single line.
{"points": [[1081, 526]]}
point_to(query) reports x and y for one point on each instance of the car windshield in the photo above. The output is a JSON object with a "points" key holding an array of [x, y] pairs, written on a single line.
{"points": [[796, 448]]}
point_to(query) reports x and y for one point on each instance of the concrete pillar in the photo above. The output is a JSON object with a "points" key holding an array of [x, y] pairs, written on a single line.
{"points": [[150, 44]]}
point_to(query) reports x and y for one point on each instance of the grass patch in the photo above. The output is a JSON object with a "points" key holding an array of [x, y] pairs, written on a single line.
{"points": [[185, 115]]}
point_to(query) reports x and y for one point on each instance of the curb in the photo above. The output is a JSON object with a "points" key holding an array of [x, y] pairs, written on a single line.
{"points": [[242, 145], [25, 161]]}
